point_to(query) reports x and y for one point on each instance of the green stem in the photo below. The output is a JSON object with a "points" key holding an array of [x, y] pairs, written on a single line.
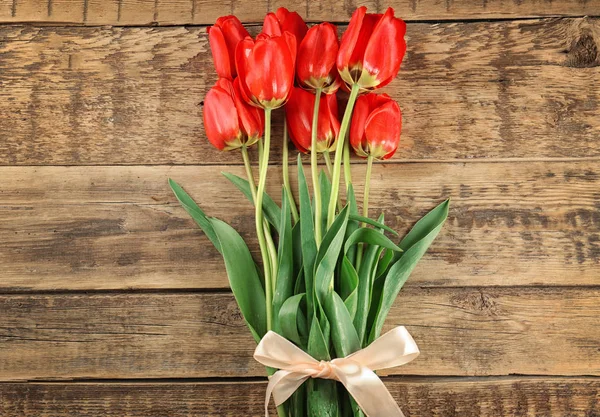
{"points": [[367, 186], [337, 164], [359, 252], [347, 170], [272, 254], [270, 244], [327, 162], [286, 174], [249, 173], [260, 232], [329, 170], [281, 410], [315, 168]]}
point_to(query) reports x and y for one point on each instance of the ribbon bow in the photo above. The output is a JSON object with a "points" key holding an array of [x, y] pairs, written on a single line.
{"points": [[355, 371]]}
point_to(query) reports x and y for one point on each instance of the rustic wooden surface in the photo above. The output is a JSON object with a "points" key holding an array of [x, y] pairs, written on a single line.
{"points": [[465, 332], [449, 397], [97, 96], [113, 304], [121, 227], [202, 12]]}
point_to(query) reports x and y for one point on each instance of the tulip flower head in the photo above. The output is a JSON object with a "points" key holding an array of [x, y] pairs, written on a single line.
{"points": [[299, 115], [317, 53], [372, 49], [285, 21], [376, 126], [266, 69], [223, 38], [229, 121]]}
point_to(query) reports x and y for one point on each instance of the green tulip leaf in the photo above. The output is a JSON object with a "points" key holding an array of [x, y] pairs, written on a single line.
{"points": [[300, 286], [325, 195], [384, 263], [372, 222], [196, 213], [317, 344], [343, 334], [297, 248], [372, 237], [270, 208], [307, 237], [348, 286], [425, 226], [348, 278], [289, 318], [328, 255], [243, 278], [415, 244], [284, 287], [352, 224], [366, 272]]}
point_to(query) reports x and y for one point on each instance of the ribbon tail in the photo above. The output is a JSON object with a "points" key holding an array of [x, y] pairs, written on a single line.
{"points": [[370, 393], [281, 386]]}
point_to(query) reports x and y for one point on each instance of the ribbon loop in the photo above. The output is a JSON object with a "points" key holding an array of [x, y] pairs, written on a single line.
{"points": [[355, 372]]}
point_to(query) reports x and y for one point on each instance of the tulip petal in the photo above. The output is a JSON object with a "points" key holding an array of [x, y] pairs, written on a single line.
{"points": [[370, 21], [349, 38], [359, 119], [331, 117], [242, 53], [386, 47], [317, 55], [270, 70], [226, 85], [251, 118], [292, 45], [271, 25], [382, 130], [220, 53], [234, 32], [292, 22], [220, 118], [298, 111]]}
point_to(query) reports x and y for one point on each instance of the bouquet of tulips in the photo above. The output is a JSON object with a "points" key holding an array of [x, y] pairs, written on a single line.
{"points": [[328, 275]]}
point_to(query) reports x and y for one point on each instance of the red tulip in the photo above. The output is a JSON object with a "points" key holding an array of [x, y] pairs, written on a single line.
{"points": [[266, 69], [285, 21], [230, 122], [316, 58], [299, 115], [223, 38], [372, 49], [376, 126]]}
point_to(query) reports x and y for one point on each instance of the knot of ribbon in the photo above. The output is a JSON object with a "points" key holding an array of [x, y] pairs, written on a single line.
{"points": [[356, 371]]}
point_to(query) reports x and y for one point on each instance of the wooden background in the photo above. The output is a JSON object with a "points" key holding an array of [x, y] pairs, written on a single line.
{"points": [[112, 303]]}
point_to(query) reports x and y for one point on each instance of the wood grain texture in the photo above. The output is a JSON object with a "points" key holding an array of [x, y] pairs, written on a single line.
{"points": [[186, 12], [431, 397], [461, 331], [511, 89], [79, 228]]}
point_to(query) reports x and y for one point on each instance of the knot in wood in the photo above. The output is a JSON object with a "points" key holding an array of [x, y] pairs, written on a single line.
{"points": [[583, 52]]}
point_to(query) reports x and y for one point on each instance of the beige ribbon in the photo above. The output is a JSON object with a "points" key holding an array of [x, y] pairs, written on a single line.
{"points": [[355, 371]]}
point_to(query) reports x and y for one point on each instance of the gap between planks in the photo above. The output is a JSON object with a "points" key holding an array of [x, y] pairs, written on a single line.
{"points": [[354, 161], [261, 380], [224, 291], [249, 24]]}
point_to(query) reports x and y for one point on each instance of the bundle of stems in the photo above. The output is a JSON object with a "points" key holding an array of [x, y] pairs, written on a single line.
{"points": [[328, 275]]}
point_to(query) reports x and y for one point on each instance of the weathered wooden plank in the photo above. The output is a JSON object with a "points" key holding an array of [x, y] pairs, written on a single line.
{"points": [[186, 12], [461, 331], [433, 397], [80, 228], [512, 89]]}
